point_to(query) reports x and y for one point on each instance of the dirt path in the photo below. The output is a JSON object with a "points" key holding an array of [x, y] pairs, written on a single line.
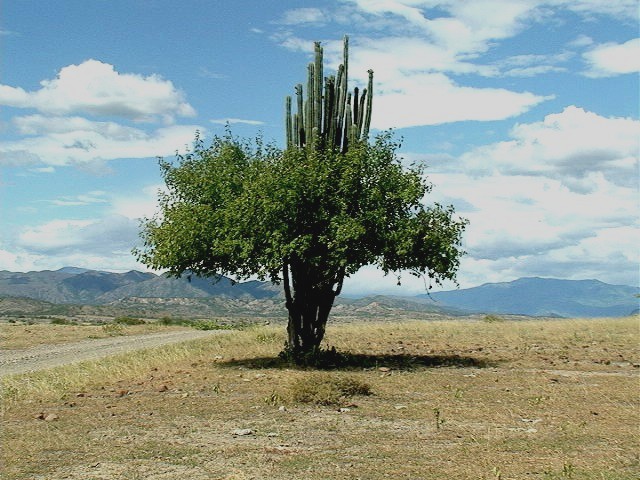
{"points": [[48, 356]]}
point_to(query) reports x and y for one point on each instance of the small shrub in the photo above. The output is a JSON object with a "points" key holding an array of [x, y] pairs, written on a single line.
{"points": [[492, 319], [113, 329], [129, 321], [327, 389], [62, 321], [169, 321], [207, 325], [268, 337]]}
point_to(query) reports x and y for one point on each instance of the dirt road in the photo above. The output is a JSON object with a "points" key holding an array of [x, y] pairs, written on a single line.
{"points": [[48, 356]]}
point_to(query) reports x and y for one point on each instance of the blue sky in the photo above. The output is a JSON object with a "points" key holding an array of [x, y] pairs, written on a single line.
{"points": [[524, 111]]}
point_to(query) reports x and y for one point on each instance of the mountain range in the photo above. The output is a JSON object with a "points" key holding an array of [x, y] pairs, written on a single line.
{"points": [[545, 297], [526, 296]]}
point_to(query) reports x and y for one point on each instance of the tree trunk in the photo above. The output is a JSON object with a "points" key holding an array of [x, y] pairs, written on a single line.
{"points": [[309, 305], [308, 315]]}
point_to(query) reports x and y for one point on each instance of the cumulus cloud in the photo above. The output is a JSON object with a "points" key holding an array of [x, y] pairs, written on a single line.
{"points": [[101, 242], [610, 59], [96, 88], [573, 145], [435, 99], [614, 247], [112, 235], [524, 225], [61, 141], [560, 196], [143, 204]]}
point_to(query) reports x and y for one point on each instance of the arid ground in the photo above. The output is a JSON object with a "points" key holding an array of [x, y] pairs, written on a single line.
{"points": [[459, 399]]}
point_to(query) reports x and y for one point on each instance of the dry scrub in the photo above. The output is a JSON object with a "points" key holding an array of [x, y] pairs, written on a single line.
{"points": [[20, 336], [456, 399]]}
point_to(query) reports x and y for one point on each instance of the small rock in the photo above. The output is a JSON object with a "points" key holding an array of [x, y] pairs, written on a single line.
{"points": [[531, 420], [242, 432], [52, 417], [399, 407], [122, 393], [344, 409], [163, 388], [384, 369], [272, 434], [282, 408]]}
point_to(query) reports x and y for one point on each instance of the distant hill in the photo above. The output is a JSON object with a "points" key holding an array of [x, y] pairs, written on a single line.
{"points": [[72, 285], [544, 297], [137, 291]]}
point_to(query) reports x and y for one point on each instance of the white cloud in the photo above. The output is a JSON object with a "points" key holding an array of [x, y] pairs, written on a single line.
{"points": [[622, 9], [89, 198], [531, 64], [531, 225], [138, 205], [610, 255], [96, 88], [303, 16], [611, 59], [581, 41], [113, 234], [44, 170], [432, 99], [559, 199], [61, 141], [570, 146], [102, 242], [231, 121]]}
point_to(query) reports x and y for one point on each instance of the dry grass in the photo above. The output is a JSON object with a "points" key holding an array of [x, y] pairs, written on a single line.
{"points": [[18, 336], [464, 400]]}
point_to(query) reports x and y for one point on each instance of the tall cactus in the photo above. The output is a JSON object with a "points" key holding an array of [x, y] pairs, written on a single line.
{"points": [[330, 116]]}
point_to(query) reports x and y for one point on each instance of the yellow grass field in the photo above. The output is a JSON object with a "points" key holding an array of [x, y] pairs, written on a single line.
{"points": [[454, 399]]}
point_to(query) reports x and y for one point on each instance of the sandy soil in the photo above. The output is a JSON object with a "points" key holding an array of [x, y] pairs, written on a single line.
{"points": [[49, 356]]}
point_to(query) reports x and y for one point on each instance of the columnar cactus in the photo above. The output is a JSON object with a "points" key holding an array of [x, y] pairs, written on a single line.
{"points": [[330, 116]]}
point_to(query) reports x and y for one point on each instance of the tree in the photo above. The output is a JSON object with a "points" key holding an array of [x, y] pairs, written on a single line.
{"points": [[307, 216]]}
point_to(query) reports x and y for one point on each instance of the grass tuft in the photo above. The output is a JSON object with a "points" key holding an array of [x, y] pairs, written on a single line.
{"points": [[327, 389]]}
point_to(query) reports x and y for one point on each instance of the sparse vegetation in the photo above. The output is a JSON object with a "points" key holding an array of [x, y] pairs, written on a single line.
{"points": [[63, 321], [543, 400], [327, 389], [128, 321]]}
